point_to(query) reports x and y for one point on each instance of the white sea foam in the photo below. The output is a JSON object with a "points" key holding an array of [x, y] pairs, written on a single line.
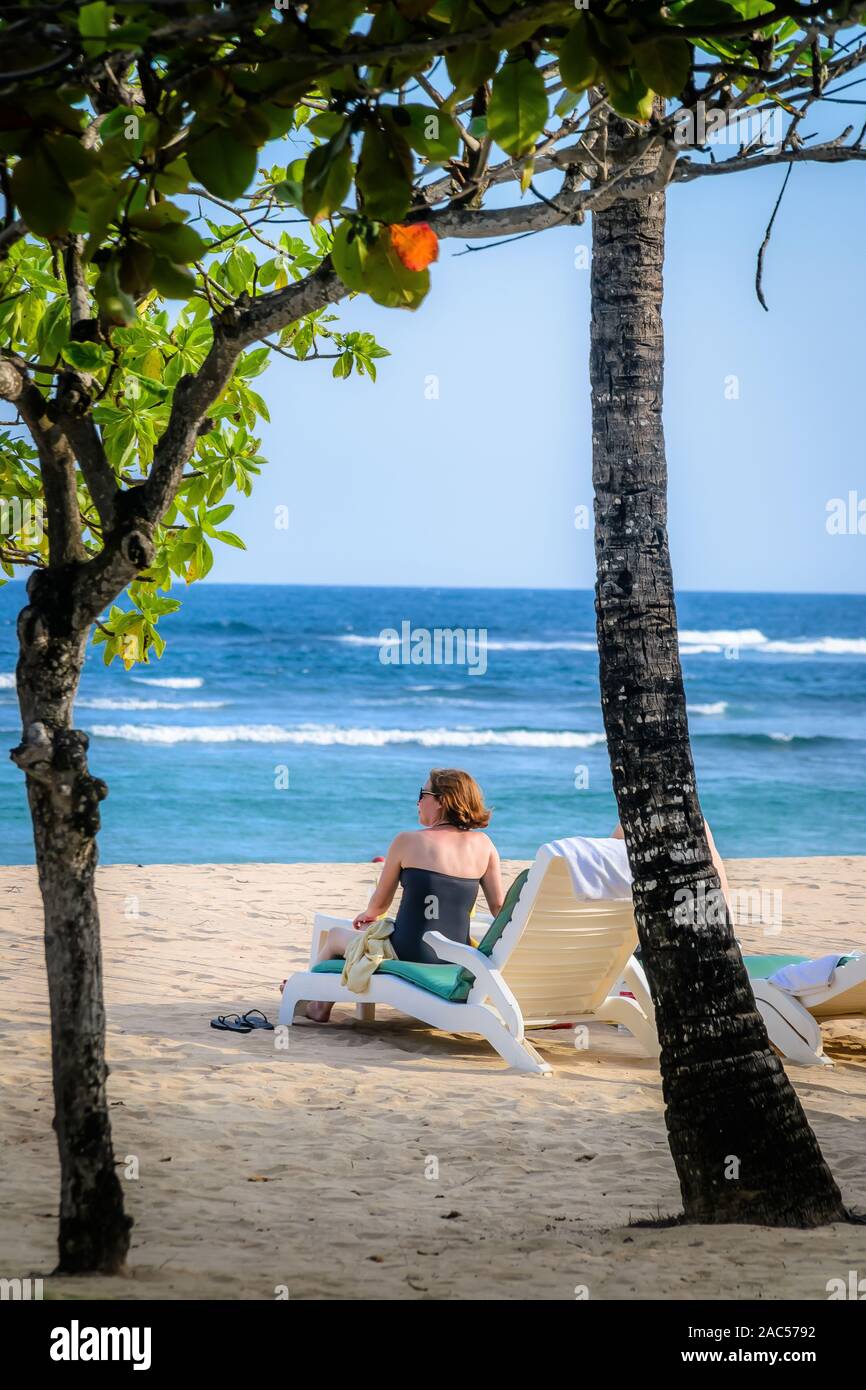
{"points": [[716, 642], [325, 735], [129, 702], [172, 682], [723, 637], [820, 646], [718, 708], [7, 682], [517, 646], [693, 642], [542, 647]]}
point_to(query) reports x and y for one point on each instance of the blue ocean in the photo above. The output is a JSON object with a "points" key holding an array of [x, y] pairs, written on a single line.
{"points": [[297, 723]]}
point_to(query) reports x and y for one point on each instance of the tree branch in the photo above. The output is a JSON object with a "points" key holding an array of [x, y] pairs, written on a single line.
{"points": [[570, 204], [759, 270], [74, 396], [234, 329], [56, 459], [687, 170], [15, 232]]}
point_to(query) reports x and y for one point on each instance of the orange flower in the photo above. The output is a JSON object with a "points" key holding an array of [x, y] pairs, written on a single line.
{"points": [[416, 245]]}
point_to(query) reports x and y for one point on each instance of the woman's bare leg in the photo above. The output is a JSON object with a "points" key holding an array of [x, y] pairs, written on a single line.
{"points": [[334, 943]]}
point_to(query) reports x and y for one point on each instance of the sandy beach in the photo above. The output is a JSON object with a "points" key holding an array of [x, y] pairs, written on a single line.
{"points": [[385, 1160]]}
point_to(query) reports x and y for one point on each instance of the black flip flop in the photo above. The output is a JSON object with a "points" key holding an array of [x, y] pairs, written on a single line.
{"points": [[231, 1023], [257, 1022]]}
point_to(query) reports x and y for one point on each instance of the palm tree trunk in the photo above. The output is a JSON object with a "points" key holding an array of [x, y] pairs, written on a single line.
{"points": [[743, 1149], [64, 805]]}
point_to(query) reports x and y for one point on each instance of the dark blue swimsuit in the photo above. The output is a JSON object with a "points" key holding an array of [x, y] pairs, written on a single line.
{"points": [[432, 902]]}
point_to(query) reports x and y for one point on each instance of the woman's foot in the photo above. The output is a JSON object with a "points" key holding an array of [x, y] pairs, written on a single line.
{"points": [[319, 1012]]}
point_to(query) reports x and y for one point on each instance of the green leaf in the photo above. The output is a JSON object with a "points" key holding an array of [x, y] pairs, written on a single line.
{"points": [[279, 119], [432, 133], [42, 195], [70, 156], [155, 218], [611, 44], [224, 164], [252, 363], [229, 538], [349, 256], [629, 94], [50, 110], [175, 177], [578, 67], [334, 16], [87, 357], [99, 216], [156, 388], [518, 106], [384, 178], [94, 21], [709, 12], [664, 66], [172, 281], [470, 66], [327, 178], [326, 124], [567, 103], [115, 305], [136, 269], [176, 242]]}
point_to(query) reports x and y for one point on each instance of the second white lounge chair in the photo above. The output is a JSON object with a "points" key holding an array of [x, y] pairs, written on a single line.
{"points": [[793, 1021]]}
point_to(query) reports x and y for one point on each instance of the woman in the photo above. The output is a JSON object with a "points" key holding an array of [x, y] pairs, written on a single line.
{"points": [[440, 868]]}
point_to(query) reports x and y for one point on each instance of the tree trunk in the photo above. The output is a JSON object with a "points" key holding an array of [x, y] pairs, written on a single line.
{"points": [[64, 805], [743, 1149]]}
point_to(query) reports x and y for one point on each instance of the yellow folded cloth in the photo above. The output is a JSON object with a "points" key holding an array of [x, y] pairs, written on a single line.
{"points": [[366, 954]]}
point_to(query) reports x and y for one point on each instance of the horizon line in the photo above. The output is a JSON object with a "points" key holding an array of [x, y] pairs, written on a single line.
{"points": [[479, 588]]}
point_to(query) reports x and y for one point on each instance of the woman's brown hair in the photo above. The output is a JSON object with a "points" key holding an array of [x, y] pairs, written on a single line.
{"points": [[460, 797]]}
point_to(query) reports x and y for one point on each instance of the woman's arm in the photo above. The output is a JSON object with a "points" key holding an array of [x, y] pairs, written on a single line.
{"points": [[718, 865], [389, 879], [491, 881]]}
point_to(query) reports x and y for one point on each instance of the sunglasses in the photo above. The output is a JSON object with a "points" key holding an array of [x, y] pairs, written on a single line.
{"points": [[424, 792]]}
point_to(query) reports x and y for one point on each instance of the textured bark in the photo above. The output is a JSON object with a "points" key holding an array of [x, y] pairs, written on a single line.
{"points": [[742, 1146], [63, 602], [64, 805]]}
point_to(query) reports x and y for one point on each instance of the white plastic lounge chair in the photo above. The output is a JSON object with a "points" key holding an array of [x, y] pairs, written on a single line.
{"points": [[792, 1021], [548, 957]]}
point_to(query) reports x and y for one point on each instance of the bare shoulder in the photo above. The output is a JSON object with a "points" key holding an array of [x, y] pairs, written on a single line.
{"points": [[404, 840], [488, 844]]}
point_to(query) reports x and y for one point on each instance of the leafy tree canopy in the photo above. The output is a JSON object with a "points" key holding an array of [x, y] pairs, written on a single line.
{"points": [[190, 187]]}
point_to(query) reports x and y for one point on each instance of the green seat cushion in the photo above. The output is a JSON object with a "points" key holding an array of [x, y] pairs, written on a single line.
{"points": [[443, 980], [451, 982], [762, 967]]}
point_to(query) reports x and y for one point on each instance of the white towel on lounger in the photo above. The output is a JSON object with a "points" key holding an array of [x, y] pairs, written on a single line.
{"points": [[598, 868], [808, 977]]}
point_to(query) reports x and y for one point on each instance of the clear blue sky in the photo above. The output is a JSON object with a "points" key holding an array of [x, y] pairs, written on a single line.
{"points": [[479, 487]]}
